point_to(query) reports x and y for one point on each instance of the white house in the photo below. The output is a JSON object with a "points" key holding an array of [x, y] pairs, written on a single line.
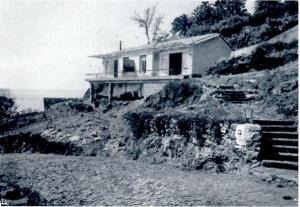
{"points": [[146, 69]]}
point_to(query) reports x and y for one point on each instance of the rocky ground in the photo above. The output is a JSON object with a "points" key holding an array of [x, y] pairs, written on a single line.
{"points": [[71, 180], [103, 174]]}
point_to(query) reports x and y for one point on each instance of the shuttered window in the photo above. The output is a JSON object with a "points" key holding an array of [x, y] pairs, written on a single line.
{"points": [[143, 64]]}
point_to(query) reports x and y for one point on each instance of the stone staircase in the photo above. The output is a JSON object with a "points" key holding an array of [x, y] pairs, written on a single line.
{"points": [[230, 94], [279, 144]]}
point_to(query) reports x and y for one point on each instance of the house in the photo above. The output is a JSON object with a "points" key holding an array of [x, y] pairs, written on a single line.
{"points": [[146, 69]]}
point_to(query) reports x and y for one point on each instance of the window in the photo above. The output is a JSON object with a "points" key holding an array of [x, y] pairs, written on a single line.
{"points": [[106, 66], [128, 65], [143, 64]]}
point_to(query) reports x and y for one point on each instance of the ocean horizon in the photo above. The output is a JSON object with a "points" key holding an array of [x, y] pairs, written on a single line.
{"points": [[32, 99]]}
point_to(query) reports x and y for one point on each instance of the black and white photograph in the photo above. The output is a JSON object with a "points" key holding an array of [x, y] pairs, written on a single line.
{"points": [[149, 103]]}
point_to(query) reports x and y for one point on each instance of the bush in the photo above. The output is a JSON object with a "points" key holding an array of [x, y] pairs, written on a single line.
{"points": [[287, 103], [127, 96], [139, 122], [7, 106]]}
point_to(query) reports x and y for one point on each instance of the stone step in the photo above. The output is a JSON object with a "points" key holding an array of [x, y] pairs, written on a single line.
{"points": [[286, 149], [231, 93], [284, 141], [273, 122], [284, 156], [280, 164], [281, 128], [226, 87], [235, 101], [288, 156], [233, 98], [279, 134]]}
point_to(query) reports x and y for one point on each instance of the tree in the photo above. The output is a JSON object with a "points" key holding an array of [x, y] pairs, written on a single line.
{"points": [[227, 9], [276, 8], [181, 25], [7, 105], [236, 8], [203, 14], [150, 22], [156, 31]]}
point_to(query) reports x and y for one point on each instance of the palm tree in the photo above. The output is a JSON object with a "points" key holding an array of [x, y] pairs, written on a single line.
{"points": [[181, 25]]}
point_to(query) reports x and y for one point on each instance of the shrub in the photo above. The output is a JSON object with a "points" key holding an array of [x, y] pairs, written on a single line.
{"points": [[127, 96], [7, 106], [139, 122], [287, 104]]}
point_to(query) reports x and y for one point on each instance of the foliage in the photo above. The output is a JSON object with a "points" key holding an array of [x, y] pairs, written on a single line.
{"points": [[230, 19], [150, 23], [7, 106], [138, 122], [181, 25], [206, 15], [266, 56], [287, 105]]}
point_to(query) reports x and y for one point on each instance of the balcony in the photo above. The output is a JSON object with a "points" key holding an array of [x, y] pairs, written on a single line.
{"points": [[161, 74]]}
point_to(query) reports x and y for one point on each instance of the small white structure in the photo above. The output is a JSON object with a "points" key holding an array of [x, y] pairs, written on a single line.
{"points": [[244, 133], [145, 69]]}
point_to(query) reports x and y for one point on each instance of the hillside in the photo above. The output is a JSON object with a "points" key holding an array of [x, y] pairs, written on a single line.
{"points": [[287, 36]]}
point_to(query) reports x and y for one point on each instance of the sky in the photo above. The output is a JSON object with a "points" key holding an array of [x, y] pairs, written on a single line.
{"points": [[45, 44]]}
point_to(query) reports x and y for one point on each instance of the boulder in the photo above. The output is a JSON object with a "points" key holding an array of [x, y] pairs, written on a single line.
{"points": [[74, 138], [248, 135]]}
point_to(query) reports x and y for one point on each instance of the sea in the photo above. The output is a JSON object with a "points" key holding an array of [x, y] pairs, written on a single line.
{"points": [[32, 100]]}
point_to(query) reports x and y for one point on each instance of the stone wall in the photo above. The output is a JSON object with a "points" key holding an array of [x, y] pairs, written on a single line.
{"points": [[48, 102], [186, 140], [150, 88]]}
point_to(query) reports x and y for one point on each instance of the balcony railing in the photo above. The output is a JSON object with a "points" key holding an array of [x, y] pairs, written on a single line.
{"points": [[148, 73]]}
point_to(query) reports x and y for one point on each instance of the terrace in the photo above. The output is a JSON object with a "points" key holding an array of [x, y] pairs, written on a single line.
{"points": [[160, 74]]}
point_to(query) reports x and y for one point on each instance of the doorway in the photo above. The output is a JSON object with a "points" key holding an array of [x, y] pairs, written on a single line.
{"points": [[175, 63], [116, 64]]}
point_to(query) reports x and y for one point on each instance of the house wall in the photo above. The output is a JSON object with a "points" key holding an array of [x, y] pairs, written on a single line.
{"points": [[186, 61], [207, 53], [150, 88], [135, 56], [109, 69]]}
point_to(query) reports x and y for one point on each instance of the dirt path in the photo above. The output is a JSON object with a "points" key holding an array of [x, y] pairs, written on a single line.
{"points": [[68, 180]]}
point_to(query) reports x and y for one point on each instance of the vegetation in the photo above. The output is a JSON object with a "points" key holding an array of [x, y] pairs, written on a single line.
{"points": [[231, 20], [266, 56], [7, 106], [151, 23]]}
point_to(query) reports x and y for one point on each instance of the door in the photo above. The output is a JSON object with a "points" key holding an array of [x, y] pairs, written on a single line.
{"points": [[116, 64], [175, 63]]}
